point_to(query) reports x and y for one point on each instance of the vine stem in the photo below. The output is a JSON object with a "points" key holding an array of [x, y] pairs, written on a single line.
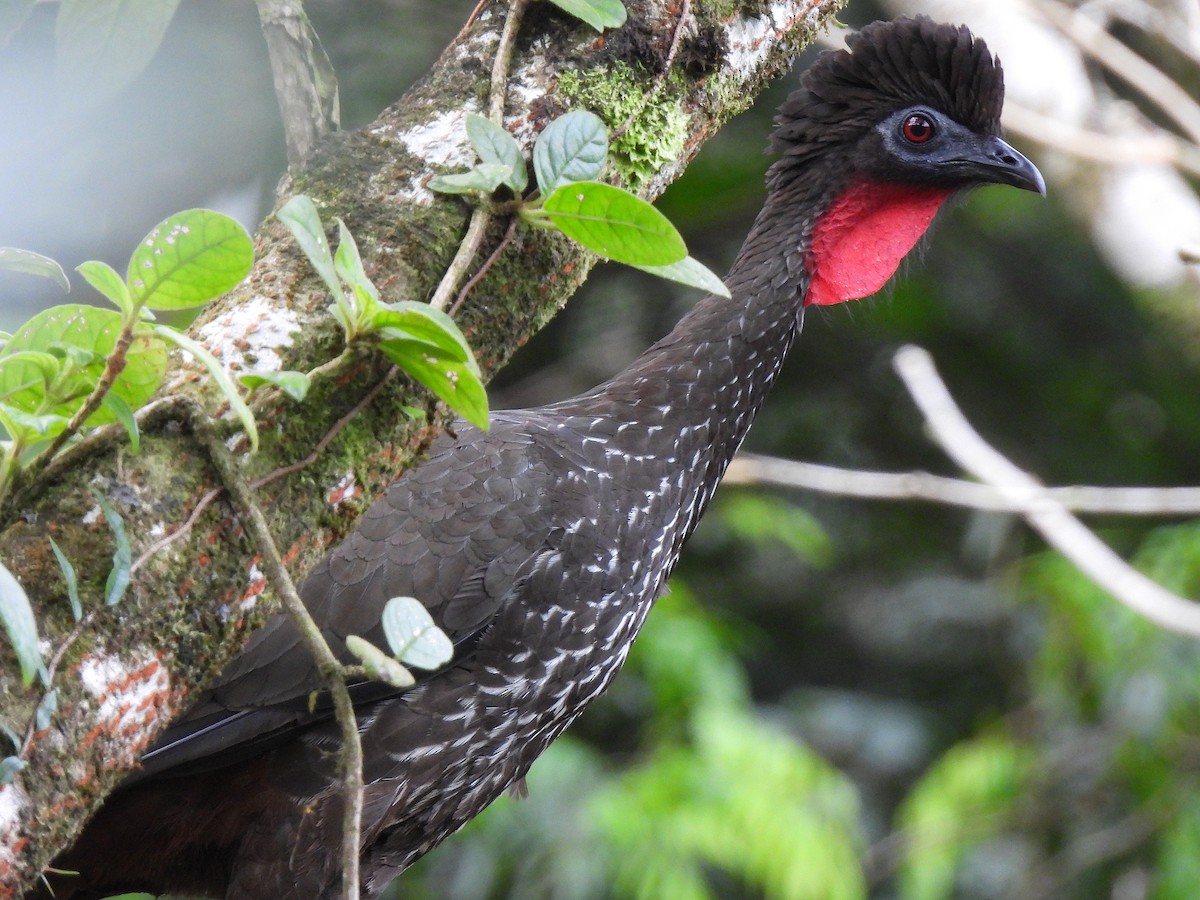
{"points": [[481, 217], [255, 523]]}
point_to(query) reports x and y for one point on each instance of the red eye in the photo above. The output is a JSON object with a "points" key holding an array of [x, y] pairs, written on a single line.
{"points": [[917, 128]]}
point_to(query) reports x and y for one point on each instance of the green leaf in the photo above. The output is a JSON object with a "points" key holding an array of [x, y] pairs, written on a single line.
{"points": [[46, 709], [495, 145], [348, 263], [485, 177], [294, 384], [105, 279], [409, 319], [104, 44], [691, 272], [572, 148], [300, 217], [30, 263], [68, 573], [118, 578], [27, 370], [453, 381], [600, 14], [220, 376], [378, 664], [30, 428], [16, 616], [413, 636], [93, 331], [189, 258], [123, 414], [961, 801], [614, 223], [9, 767]]}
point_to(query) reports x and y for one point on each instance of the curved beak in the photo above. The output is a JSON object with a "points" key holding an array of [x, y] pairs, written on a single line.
{"points": [[996, 161]]}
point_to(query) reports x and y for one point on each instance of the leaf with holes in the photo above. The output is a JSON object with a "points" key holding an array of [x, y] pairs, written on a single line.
{"points": [[412, 635], [600, 14], [16, 615], [495, 145], [613, 223], [189, 258], [692, 273], [30, 263], [378, 664], [452, 380], [87, 335], [572, 148]]}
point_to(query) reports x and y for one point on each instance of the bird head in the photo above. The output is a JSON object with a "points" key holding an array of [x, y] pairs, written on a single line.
{"points": [[883, 133]]}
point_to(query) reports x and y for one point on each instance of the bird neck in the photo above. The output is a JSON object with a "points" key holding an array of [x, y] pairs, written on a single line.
{"points": [[815, 241]]}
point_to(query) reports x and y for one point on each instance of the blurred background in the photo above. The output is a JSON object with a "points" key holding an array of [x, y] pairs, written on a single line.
{"points": [[840, 697]]}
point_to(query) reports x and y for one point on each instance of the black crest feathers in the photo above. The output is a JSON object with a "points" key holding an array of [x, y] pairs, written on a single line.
{"points": [[890, 65]]}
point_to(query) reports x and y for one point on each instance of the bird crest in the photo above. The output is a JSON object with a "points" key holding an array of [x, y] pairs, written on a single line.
{"points": [[890, 65]]}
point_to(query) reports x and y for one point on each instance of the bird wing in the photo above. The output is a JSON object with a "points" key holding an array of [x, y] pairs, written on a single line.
{"points": [[455, 533]]}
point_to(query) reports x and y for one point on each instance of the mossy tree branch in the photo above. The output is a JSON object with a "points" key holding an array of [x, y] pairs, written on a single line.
{"points": [[190, 606]]}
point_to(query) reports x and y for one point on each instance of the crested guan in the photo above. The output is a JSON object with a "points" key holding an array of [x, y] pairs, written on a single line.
{"points": [[541, 545]]}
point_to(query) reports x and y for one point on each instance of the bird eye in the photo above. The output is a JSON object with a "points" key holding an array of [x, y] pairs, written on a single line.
{"points": [[917, 128]]}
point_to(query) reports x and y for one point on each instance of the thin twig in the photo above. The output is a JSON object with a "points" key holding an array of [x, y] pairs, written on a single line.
{"points": [[1090, 36], [509, 232], [274, 475], [751, 468], [51, 668], [255, 523], [481, 217], [1154, 147], [1059, 527], [684, 9]]}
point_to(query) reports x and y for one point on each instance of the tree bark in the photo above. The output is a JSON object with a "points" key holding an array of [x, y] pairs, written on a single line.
{"points": [[132, 667]]}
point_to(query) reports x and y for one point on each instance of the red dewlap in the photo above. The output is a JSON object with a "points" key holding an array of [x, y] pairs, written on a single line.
{"points": [[861, 239]]}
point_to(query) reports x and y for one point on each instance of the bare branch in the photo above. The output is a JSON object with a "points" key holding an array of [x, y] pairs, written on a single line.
{"points": [[255, 523], [1060, 528], [750, 468], [1090, 36], [481, 216], [305, 83]]}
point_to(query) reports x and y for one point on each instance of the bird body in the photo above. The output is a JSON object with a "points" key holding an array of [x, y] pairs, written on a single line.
{"points": [[540, 545]]}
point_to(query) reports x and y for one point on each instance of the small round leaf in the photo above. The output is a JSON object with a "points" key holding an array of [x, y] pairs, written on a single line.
{"points": [[413, 636], [572, 148]]}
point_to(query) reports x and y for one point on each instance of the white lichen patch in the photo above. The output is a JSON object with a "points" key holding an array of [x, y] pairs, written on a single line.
{"points": [[258, 584], [346, 489], [442, 141], [13, 803], [129, 689], [750, 39], [248, 337]]}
